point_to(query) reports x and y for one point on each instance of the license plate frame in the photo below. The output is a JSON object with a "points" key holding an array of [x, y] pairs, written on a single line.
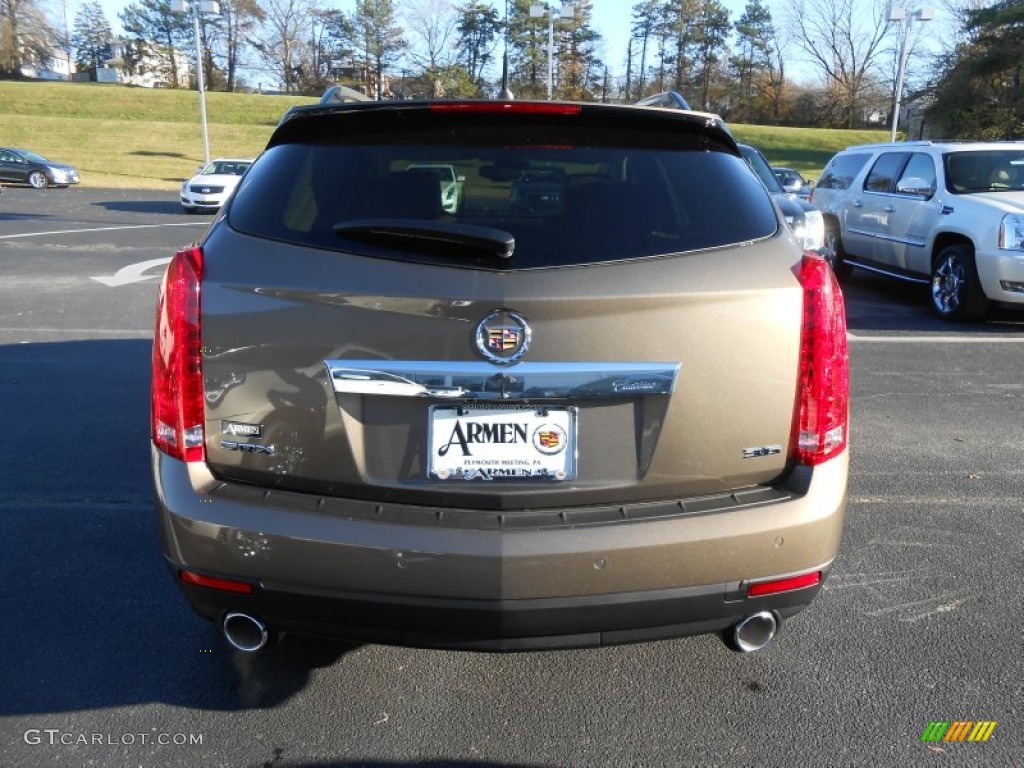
{"points": [[503, 443]]}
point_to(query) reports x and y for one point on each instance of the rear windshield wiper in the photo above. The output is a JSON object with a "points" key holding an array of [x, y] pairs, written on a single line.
{"points": [[411, 233]]}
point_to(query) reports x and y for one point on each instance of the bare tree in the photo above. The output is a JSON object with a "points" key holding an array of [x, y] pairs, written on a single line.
{"points": [[845, 41], [433, 26], [26, 38], [241, 19], [284, 31]]}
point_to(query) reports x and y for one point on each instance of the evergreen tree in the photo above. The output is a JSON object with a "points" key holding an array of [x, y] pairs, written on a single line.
{"points": [[579, 68], [478, 26], [981, 91], [527, 43], [380, 39], [712, 30], [752, 62], [91, 37], [160, 32], [575, 65], [645, 22]]}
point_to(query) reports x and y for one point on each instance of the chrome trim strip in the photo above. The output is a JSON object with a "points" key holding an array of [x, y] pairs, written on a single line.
{"points": [[472, 380], [890, 238], [888, 273]]}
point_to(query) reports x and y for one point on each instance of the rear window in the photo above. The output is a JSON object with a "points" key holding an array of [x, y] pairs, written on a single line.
{"points": [[566, 195], [842, 170]]}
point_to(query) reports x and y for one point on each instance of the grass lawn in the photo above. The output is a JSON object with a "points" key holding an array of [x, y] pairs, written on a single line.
{"points": [[134, 137], [151, 138]]}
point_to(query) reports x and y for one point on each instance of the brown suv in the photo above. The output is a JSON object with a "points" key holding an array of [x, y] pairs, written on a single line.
{"points": [[600, 401]]}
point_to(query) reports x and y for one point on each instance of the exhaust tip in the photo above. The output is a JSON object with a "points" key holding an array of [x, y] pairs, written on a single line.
{"points": [[244, 632], [754, 632]]}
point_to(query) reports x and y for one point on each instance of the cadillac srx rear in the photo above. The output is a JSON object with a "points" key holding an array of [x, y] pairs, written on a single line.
{"points": [[598, 396]]}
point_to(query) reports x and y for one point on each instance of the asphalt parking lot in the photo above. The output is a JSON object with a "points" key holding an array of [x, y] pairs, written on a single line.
{"points": [[105, 665]]}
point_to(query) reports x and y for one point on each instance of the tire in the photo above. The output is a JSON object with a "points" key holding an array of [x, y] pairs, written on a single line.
{"points": [[832, 250], [956, 289], [38, 180]]}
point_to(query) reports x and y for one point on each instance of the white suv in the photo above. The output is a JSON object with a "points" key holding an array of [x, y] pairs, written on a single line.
{"points": [[948, 214]]}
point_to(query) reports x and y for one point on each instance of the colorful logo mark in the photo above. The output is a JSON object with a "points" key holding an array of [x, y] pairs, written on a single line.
{"points": [[549, 439], [503, 338], [958, 730]]}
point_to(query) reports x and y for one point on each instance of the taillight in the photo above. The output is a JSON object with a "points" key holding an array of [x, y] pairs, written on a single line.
{"points": [[177, 395], [823, 397]]}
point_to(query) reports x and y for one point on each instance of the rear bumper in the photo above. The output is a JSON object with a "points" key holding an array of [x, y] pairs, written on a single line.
{"points": [[322, 573], [500, 625]]}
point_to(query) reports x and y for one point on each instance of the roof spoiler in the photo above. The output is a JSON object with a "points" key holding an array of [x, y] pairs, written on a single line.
{"points": [[339, 94], [667, 99]]}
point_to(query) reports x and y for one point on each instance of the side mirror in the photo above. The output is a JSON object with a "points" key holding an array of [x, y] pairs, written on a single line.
{"points": [[913, 185]]}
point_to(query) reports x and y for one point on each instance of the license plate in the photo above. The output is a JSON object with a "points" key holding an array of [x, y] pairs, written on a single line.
{"points": [[511, 443]]}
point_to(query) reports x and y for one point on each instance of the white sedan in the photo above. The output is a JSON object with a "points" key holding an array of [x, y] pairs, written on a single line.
{"points": [[213, 184]]}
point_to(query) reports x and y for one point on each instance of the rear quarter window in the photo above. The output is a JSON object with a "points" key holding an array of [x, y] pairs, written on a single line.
{"points": [[884, 172], [565, 197], [842, 170]]}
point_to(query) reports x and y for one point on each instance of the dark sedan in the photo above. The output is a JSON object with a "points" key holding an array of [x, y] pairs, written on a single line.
{"points": [[24, 167]]}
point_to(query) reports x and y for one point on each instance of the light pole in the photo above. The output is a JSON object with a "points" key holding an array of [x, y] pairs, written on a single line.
{"points": [[900, 15], [197, 7], [567, 12]]}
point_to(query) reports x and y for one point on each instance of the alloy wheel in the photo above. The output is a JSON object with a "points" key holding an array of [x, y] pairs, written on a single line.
{"points": [[948, 285]]}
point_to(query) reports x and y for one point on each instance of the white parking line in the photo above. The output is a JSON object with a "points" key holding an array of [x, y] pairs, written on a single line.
{"points": [[105, 229], [148, 332], [935, 339]]}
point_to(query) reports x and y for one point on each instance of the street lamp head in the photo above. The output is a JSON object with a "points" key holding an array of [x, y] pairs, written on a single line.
{"points": [[897, 14], [925, 14]]}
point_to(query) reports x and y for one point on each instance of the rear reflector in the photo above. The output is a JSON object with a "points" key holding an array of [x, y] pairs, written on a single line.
{"points": [[509, 107], [823, 397], [784, 585], [224, 585], [177, 391]]}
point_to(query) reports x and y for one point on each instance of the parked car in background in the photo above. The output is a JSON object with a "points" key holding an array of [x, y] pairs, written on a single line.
{"points": [[450, 181], [213, 184], [945, 214], [806, 220], [793, 182], [21, 166], [600, 403]]}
